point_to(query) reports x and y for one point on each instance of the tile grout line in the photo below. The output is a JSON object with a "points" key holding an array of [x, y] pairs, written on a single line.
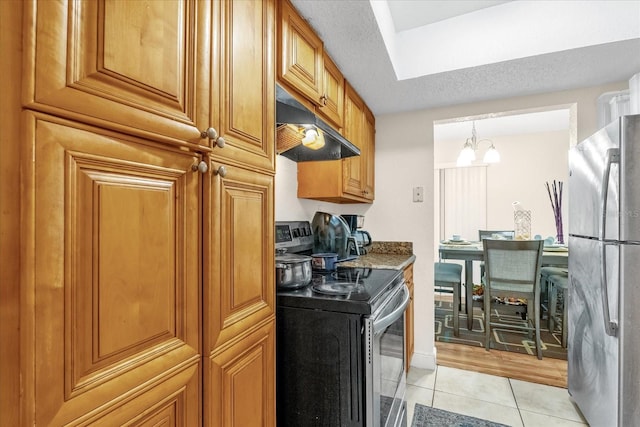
{"points": [[433, 395], [515, 399]]}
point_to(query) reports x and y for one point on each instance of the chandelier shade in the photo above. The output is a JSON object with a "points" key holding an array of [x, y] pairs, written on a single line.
{"points": [[468, 153]]}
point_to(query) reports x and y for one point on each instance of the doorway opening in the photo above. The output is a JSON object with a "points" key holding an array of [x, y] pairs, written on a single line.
{"points": [[533, 146]]}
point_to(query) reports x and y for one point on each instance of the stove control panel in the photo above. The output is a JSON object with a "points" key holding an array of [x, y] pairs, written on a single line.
{"points": [[294, 236]]}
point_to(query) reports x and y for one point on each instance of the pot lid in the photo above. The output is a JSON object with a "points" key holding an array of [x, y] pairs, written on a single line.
{"points": [[292, 258]]}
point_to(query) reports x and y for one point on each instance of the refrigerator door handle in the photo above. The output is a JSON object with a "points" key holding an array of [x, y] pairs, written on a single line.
{"points": [[610, 326], [612, 156]]}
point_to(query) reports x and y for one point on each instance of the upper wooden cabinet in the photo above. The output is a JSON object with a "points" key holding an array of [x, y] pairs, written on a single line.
{"points": [[310, 75], [169, 70], [369, 139], [331, 106], [129, 66], [349, 180], [242, 70], [305, 69], [359, 128], [301, 55]]}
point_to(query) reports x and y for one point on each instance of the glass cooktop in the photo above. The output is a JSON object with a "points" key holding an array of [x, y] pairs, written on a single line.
{"points": [[347, 290]]}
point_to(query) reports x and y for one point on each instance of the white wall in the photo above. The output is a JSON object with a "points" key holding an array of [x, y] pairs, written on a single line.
{"points": [[290, 208], [404, 159]]}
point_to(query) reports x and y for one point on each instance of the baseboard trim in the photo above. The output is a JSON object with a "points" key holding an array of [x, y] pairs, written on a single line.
{"points": [[424, 360]]}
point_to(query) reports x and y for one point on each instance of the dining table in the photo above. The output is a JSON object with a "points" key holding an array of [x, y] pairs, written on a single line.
{"points": [[470, 251]]}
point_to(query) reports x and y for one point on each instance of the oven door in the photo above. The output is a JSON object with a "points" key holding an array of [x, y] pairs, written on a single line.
{"points": [[385, 379]]}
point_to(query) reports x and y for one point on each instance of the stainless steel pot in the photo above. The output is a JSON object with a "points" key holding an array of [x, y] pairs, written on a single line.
{"points": [[293, 271]]}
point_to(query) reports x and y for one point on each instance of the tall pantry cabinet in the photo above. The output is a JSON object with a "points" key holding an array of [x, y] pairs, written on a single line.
{"points": [[146, 164]]}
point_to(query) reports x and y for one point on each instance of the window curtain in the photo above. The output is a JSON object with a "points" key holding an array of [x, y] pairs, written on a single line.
{"points": [[463, 201], [463, 204]]}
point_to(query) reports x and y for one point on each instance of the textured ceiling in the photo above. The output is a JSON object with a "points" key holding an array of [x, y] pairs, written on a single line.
{"points": [[352, 38]]}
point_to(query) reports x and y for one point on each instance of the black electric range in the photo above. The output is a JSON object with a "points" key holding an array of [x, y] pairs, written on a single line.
{"points": [[334, 339]]}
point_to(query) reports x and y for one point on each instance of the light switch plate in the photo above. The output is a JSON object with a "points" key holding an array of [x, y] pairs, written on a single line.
{"points": [[418, 194]]}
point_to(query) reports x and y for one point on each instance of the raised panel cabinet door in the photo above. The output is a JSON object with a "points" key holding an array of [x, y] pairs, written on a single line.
{"points": [[243, 106], [132, 66], [332, 100], [239, 268], [111, 310], [354, 168], [300, 61], [409, 316], [369, 146], [243, 377]]}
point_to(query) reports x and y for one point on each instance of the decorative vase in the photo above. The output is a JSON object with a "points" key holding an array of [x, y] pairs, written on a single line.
{"points": [[559, 231], [522, 224]]}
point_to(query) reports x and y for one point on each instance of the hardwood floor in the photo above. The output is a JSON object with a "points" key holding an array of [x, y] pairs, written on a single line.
{"points": [[503, 363]]}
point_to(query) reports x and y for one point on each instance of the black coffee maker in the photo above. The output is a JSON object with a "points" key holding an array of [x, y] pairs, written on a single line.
{"points": [[360, 241]]}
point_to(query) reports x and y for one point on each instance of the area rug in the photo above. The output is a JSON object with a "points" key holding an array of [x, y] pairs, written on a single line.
{"points": [[503, 339], [426, 416]]}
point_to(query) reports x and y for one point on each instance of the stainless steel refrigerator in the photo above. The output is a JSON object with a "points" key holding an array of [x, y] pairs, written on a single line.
{"points": [[604, 275]]}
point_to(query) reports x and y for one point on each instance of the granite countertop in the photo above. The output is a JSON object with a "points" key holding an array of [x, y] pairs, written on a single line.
{"points": [[388, 255]]}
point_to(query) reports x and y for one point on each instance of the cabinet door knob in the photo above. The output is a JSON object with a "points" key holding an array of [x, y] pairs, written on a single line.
{"points": [[212, 134], [201, 167], [323, 100], [222, 171]]}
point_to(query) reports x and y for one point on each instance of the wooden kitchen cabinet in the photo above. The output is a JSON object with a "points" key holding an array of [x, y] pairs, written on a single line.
{"points": [[175, 70], [309, 74], [304, 68], [349, 180], [146, 285], [360, 129], [111, 298], [239, 241], [239, 293], [300, 55], [369, 143], [331, 107], [243, 83], [409, 317], [136, 67], [243, 377], [239, 301]]}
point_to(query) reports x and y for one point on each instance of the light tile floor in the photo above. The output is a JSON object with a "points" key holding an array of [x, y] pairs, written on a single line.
{"points": [[502, 400]]}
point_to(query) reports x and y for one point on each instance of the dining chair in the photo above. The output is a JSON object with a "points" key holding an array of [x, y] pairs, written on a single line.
{"points": [[545, 288], [512, 269], [558, 282], [489, 234], [449, 275]]}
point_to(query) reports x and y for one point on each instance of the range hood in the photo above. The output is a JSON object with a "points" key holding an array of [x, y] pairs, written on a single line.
{"points": [[291, 114]]}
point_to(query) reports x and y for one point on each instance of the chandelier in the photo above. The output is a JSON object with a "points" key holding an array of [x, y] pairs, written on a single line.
{"points": [[468, 153]]}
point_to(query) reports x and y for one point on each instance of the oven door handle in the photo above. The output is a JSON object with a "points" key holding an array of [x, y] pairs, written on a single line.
{"points": [[382, 323]]}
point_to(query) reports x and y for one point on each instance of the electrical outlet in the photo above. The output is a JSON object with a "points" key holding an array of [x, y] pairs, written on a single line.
{"points": [[418, 194]]}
